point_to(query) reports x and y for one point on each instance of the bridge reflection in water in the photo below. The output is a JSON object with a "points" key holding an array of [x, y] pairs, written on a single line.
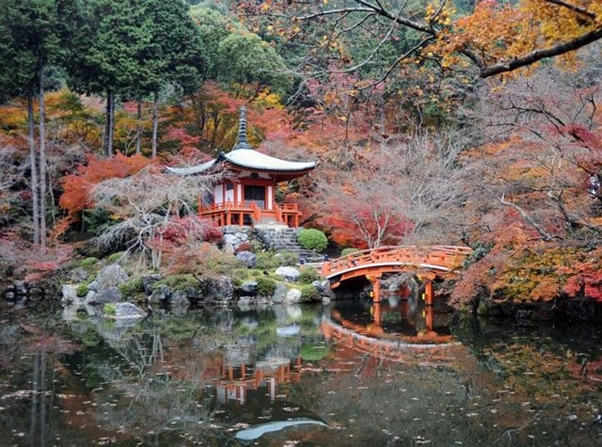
{"points": [[391, 328]]}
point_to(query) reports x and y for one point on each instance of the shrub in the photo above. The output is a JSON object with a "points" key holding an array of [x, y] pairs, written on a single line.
{"points": [[287, 258], [178, 282], [203, 260], [348, 251], [109, 309], [309, 292], [265, 286], [114, 257], [312, 239], [88, 262], [313, 352], [239, 276], [256, 246], [82, 290], [131, 287], [308, 275], [266, 261]]}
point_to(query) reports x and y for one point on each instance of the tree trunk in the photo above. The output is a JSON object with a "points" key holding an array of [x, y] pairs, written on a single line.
{"points": [[110, 125], [155, 123], [139, 128], [35, 195], [42, 162]]}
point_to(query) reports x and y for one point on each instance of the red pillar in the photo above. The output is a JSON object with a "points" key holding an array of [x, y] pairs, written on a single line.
{"points": [[428, 292], [375, 280]]}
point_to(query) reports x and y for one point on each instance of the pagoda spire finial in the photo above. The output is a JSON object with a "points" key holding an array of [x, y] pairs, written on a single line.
{"points": [[242, 130]]}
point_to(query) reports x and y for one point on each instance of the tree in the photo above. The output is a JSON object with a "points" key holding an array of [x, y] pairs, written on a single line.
{"points": [[173, 54], [497, 37], [407, 189], [29, 44], [147, 209], [77, 187], [249, 63]]}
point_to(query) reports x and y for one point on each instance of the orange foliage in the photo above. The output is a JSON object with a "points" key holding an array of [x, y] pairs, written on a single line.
{"points": [[77, 187]]}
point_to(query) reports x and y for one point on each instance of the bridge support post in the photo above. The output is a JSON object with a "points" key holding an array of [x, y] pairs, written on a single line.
{"points": [[428, 292], [375, 280]]}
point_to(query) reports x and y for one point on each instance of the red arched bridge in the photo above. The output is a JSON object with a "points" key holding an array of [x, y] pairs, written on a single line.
{"points": [[428, 262]]}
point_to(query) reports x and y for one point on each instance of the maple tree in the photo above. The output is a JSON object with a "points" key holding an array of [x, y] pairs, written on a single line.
{"points": [[151, 211], [77, 187]]}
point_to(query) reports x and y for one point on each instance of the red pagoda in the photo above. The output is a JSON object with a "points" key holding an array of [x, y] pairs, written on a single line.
{"points": [[247, 195]]}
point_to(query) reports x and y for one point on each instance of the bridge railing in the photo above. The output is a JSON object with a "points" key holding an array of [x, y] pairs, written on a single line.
{"points": [[442, 257]]}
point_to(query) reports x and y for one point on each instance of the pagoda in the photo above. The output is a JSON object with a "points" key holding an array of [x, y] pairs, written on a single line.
{"points": [[247, 195]]}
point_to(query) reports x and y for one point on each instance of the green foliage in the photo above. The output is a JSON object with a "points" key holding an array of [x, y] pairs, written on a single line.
{"points": [[239, 276], [220, 263], [348, 251], [178, 282], [312, 239], [96, 218], [256, 246], [266, 286], [88, 262], [109, 309], [287, 258], [114, 257], [82, 290], [313, 352], [244, 59], [309, 292], [267, 261], [131, 287], [308, 275]]}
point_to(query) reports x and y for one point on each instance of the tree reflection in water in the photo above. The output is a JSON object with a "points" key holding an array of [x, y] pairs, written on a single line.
{"points": [[203, 377]]}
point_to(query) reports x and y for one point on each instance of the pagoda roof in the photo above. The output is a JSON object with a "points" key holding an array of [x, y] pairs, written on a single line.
{"points": [[244, 158]]}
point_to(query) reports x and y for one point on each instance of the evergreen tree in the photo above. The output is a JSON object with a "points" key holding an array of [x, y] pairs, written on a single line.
{"points": [[29, 44]]}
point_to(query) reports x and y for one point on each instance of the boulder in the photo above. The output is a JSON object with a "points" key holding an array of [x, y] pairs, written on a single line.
{"points": [[69, 294], [160, 294], [148, 281], [293, 296], [78, 274], [218, 289], [126, 311], [288, 273], [248, 288], [20, 288], [106, 295], [111, 276], [323, 288], [247, 258], [280, 293], [233, 237], [179, 298]]}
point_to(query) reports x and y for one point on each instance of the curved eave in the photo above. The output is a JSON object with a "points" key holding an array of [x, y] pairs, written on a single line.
{"points": [[250, 159], [192, 170]]}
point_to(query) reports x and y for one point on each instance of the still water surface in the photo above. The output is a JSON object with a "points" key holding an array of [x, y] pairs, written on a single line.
{"points": [[346, 374]]}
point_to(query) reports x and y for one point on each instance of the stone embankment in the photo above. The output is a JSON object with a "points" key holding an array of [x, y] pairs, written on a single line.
{"points": [[113, 293]]}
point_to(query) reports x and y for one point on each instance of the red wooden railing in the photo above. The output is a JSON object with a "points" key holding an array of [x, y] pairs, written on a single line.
{"points": [[438, 258], [226, 213]]}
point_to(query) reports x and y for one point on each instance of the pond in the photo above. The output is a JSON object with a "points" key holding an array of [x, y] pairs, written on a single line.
{"points": [[350, 373]]}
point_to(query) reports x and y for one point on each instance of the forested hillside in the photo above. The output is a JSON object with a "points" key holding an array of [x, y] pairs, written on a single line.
{"points": [[432, 122]]}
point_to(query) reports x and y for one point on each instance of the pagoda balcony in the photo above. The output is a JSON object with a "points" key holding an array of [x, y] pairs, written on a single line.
{"points": [[250, 213]]}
